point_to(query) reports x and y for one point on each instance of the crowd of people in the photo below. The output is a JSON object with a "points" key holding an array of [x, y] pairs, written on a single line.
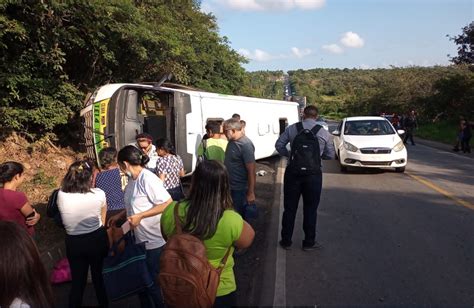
{"points": [[138, 185], [409, 123]]}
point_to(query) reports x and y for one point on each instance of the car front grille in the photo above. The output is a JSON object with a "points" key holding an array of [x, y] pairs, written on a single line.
{"points": [[376, 163], [375, 151]]}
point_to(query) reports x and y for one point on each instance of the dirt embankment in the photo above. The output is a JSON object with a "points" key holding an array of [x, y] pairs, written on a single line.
{"points": [[45, 166]]}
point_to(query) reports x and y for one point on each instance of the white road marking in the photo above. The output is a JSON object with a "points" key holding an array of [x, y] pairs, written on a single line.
{"points": [[279, 297]]}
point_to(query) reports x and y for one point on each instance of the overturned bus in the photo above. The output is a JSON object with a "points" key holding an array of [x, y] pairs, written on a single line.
{"points": [[115, 113]]}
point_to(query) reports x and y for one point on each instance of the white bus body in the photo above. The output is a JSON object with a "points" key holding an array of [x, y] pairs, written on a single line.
{"points": [[115, 113]]}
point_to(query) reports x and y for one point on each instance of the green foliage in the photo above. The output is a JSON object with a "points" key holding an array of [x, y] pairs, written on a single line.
{"points": [[434, 92], [442, 131], [264, 84], [53, 52], [34, 93], [465, 42]]}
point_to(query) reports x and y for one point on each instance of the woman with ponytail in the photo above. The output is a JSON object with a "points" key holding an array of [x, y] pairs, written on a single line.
{"points": [[83, 211], [14, 205], [145, 199]]}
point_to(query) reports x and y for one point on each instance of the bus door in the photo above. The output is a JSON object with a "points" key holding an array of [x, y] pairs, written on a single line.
{"points": [[132, 119], [188, 127]]}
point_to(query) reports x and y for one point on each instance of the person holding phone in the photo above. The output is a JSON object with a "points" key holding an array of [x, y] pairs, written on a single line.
{"points": [[14, 205]]}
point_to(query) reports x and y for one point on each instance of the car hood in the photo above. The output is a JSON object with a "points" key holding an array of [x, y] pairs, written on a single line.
{"points": [[385, 141]]}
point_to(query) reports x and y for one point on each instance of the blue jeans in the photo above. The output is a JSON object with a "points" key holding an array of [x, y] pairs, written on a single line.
{"points": [[295, 186], [239, 198], [152, 297]]}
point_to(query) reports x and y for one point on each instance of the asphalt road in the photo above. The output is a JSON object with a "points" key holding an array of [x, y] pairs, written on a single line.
{"points": [[389, 238]]}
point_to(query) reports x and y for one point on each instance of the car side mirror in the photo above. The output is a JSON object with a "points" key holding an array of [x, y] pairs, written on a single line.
{"points": [[400, 131], [336, 133]]}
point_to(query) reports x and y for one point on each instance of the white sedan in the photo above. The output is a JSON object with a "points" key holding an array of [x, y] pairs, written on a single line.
{"points": [[369, 142]]}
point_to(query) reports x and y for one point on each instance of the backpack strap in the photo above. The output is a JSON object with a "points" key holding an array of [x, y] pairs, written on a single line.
{"points": [[315, 129], [299, 127], [177, 220], [223, 261]]}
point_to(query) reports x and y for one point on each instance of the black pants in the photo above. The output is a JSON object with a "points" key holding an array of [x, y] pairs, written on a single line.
{"points": [[308, 186], [465, 144], [84, 251], [225, 301], [409, 135], [176, 193]]}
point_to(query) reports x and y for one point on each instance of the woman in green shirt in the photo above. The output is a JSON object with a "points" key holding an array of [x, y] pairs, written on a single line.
{"points": [[209, 215]]}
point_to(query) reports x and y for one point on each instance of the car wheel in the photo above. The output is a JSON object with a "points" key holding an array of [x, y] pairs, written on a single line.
{"points": [[400, 169]]}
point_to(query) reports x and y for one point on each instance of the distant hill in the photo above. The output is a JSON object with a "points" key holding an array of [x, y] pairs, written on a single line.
{"points": [[432, 91]]}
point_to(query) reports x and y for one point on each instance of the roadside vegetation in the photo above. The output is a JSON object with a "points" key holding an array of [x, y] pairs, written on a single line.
{"points": [[435, 93], [442, 131], [439, 94], [265, 84], [54, 52]]}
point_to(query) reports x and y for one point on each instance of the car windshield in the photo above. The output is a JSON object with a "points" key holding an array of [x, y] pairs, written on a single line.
{"points": [[368, 127]]}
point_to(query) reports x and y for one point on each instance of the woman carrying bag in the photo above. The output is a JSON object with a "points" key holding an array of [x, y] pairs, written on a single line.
{"points": [[145, 199], [209, 215]]}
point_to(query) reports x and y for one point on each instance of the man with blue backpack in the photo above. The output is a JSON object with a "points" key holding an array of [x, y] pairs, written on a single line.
{"points": [[303, 175]]}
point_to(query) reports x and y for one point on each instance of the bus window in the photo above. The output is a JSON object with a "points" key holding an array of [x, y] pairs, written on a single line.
{"points": [[154, 111]]}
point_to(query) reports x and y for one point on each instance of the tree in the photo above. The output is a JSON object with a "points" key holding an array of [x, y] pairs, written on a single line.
{"points": [[465, 42], [53, 52]]}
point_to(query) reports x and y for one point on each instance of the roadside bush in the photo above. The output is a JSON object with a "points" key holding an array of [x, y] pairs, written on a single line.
{"points": [[442, 131]]}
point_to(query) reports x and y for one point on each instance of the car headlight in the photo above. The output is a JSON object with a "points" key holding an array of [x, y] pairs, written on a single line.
{"points": [[350, 147], [399, 146]]}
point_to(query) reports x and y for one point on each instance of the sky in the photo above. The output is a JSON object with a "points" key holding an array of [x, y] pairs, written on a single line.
{"points": [[305, 34]]}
